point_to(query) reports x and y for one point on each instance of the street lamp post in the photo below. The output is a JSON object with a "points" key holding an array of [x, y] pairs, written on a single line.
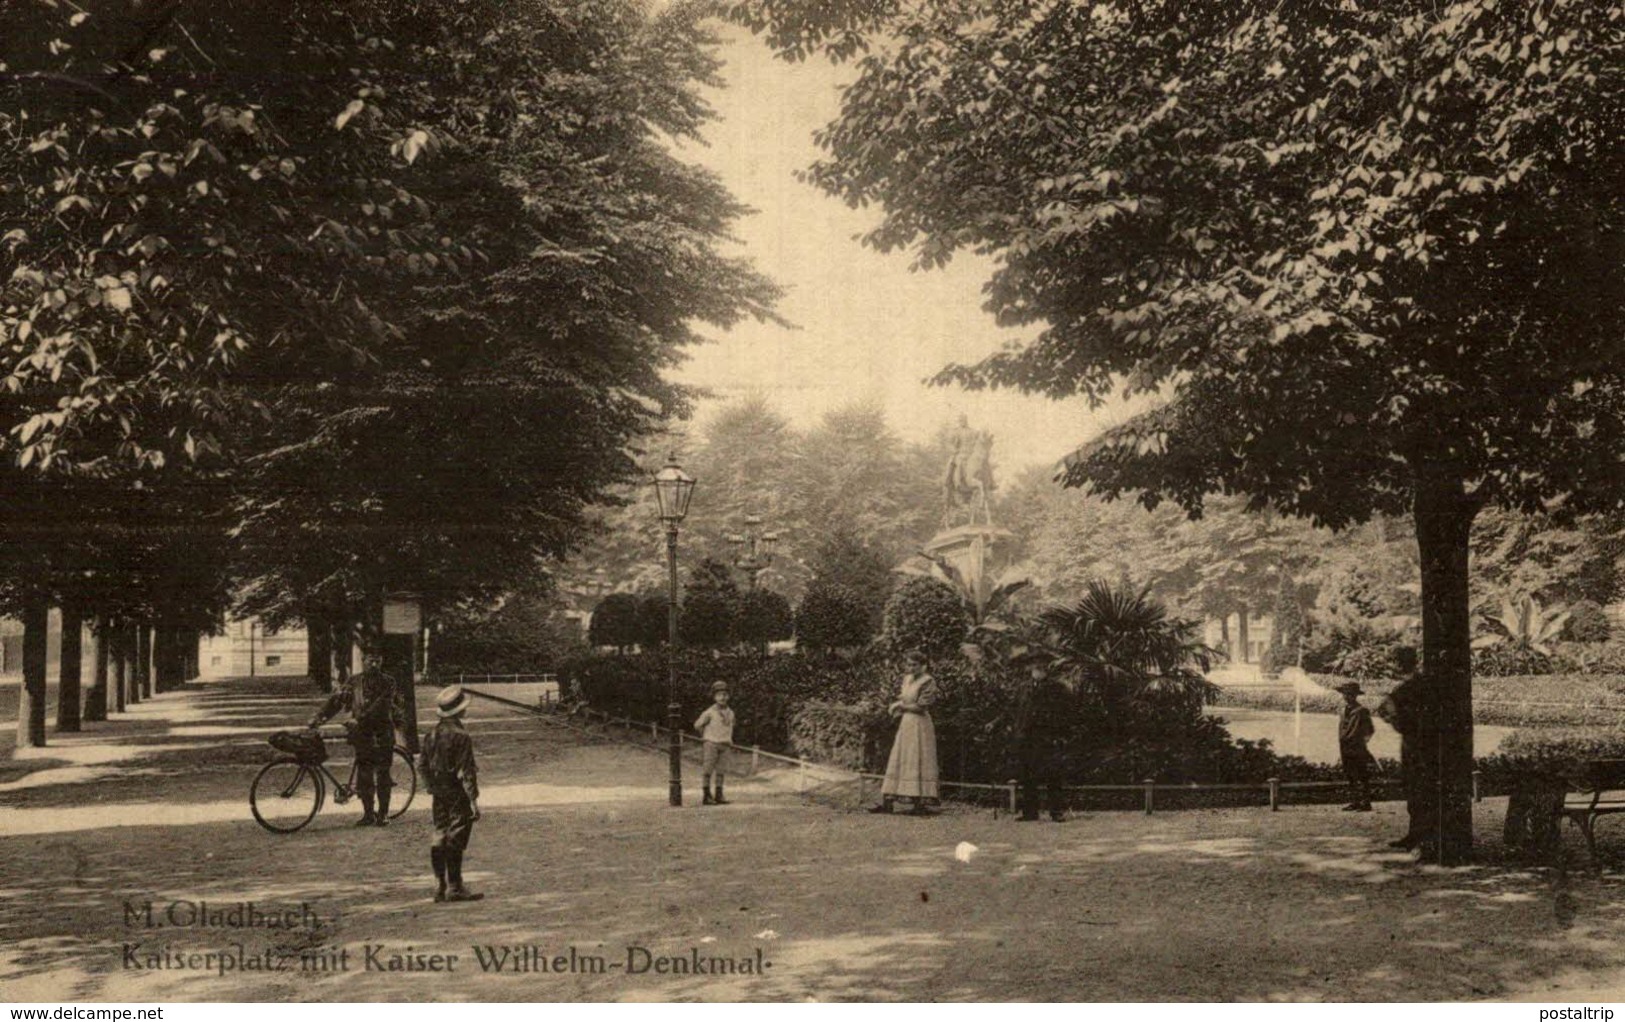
{"points": [[673, 489], [755, 548]]}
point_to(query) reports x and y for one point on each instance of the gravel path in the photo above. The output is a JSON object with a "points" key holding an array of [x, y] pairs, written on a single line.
{"points": [[579, 851]]}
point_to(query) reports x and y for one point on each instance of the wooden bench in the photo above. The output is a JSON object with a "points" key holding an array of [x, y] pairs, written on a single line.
{"points": [[1602, 794]]}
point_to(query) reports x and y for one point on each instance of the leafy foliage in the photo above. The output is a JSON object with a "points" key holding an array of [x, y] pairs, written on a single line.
{"points": [[615, 622], [1291, 628], [831, 616], [710, 606], [528, 633], [1587, 622], [846, 559], [764, 616], [924, 616], [1120, 646]]}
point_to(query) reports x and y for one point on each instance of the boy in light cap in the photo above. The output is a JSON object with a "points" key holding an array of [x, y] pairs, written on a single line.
{"points": [[447, 765], [716, 727]]}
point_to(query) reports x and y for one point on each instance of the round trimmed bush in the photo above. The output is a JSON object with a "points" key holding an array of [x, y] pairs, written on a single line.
{"points": [[1588, 622], [924, 616]]}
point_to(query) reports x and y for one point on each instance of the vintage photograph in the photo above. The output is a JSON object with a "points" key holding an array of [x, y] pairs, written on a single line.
{"points": [[812, 500]]}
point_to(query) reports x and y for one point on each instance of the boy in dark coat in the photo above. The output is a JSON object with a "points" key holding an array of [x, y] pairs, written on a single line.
{"points": [[447, 765]]}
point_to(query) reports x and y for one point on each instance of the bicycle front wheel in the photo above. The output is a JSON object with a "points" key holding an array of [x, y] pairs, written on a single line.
{"points": [[285, 795], [403, 774]]}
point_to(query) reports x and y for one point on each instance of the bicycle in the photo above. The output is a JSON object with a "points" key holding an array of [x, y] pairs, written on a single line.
{"points": [[290, 790]]}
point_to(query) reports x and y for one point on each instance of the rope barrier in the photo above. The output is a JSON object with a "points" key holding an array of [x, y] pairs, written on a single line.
{"points": [[1270, 792]]}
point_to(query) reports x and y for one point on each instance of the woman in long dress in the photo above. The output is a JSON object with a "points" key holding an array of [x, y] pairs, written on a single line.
{"points": [[911, 772]]}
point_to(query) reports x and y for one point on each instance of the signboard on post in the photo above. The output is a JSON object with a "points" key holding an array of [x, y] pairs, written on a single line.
{"points": [[403, 615], [403, 618]]}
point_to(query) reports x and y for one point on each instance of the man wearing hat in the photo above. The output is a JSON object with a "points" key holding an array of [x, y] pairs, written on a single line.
{"points": [[1045, 722], [370, 699], [716, 727], [447, 765], [1354, 730]]}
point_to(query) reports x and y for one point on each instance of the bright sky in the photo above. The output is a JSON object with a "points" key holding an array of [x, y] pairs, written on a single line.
{"points": [[869, 329]]}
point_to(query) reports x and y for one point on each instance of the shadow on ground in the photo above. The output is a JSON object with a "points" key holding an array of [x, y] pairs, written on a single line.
{"points": [[579, 851]]}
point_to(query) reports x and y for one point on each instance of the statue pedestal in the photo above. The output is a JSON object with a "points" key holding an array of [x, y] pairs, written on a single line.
{"points": [[977, 552]]}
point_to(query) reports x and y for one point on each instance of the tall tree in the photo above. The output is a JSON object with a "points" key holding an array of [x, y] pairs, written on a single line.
{"points": [[1364, 253], [514, 391]]}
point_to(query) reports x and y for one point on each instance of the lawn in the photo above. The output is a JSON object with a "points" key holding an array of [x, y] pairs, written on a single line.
{"points": [[1545, 700]]}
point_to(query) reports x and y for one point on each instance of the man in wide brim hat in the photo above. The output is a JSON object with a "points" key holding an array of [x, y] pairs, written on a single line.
{"points": [[447, 765], [1354, 730]]}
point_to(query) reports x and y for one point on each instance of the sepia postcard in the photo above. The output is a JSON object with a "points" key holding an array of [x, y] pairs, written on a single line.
{"points": [[812, 500]]}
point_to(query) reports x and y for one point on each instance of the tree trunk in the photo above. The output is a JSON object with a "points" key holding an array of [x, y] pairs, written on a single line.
{"points": [[1224, 635], [1241, 635], [31, 707], [1444, 519], [143, 659], [163, 647], [69, 671], [343, 650], [165, 659], [115, 650], [96, 698], [319, 649]]}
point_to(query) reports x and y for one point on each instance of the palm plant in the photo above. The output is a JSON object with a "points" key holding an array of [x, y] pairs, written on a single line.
{"points": [[1120, 645], [1524, 624]]}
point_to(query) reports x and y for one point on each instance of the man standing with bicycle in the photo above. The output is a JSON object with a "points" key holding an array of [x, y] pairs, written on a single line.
{"points": [[370, 699]]}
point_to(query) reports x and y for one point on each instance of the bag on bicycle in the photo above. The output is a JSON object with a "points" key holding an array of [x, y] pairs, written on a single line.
{"points": [[306, 746]]}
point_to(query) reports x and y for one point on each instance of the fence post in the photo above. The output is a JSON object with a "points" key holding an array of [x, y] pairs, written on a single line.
{"points": [[1011, 789], [1149, 783], [755, 760], [801, 775], [1275, 794], [1478, 794], [1297, 721]]}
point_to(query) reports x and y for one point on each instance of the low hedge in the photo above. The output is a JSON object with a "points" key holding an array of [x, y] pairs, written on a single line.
{"points": [[1541, 700], [849, 736]]}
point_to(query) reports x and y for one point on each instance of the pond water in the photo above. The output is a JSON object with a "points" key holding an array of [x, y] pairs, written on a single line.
{"points": [[1317, 741]]}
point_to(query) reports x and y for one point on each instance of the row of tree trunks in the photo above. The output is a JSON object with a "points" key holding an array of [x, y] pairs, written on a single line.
{"points": [[132, 662]]}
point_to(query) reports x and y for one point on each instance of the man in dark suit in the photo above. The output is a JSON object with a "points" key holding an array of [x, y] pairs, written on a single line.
{"points": [[1044, 733], [1354, 731], [369, 697]]}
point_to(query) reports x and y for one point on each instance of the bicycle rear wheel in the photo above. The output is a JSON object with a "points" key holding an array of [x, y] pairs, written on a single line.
{"points": [[285, 795], [404, 774]]}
